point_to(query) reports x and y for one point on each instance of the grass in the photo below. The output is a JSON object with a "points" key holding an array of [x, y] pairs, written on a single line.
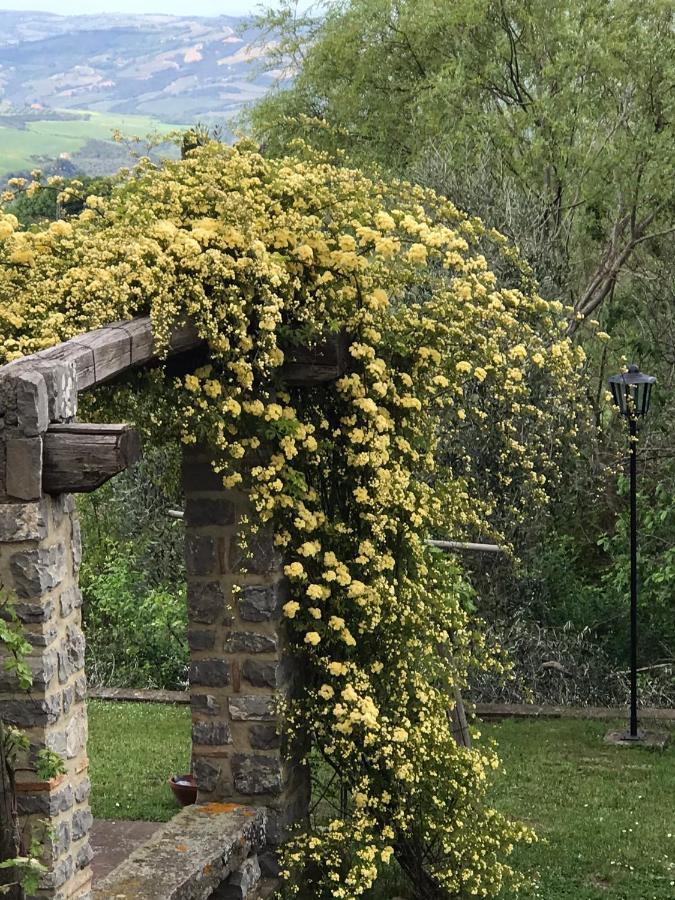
{"points": [[604, 815], [134, 748], [47, 138]]}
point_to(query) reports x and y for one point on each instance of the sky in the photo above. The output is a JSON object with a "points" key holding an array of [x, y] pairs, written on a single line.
{"points": [[171, 7]]}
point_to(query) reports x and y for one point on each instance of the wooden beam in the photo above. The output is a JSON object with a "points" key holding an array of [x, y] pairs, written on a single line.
{"points": [[326, 361], [78, 458]]}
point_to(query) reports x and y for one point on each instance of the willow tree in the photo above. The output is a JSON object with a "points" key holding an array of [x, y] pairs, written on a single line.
{"points": [[554, 121]]}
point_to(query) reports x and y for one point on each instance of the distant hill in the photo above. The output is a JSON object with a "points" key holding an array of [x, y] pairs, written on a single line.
{"points": [[167, 70]]}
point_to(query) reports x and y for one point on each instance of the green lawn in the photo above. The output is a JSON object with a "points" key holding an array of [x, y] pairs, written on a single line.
{"points": [[134, 748], [47, 138], [605, 815]]}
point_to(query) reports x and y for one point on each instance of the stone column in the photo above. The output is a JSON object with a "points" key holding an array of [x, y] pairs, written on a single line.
{"points": [[240, 665], [39, 561]]}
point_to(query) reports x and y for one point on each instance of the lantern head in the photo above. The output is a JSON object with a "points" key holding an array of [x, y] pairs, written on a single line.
{"points": [[632, 391]]}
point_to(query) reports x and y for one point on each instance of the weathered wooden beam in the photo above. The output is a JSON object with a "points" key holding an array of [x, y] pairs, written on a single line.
{"points": [[324, 362], [79, 457]]}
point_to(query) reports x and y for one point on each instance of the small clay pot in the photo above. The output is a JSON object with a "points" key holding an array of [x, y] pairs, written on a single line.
{"points": [[184, 789]]}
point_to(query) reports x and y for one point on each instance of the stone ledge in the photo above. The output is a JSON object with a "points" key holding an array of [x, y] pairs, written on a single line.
{"points": [[190, 857]]}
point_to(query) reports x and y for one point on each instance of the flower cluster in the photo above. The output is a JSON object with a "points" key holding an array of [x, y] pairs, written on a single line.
{"points": [[457, 402]]}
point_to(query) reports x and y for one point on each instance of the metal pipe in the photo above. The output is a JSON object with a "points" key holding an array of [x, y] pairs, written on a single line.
{"points": [[470, 547]]}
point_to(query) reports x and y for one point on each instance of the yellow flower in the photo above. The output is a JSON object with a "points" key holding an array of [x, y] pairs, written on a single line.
{"points": [[290, 609], [313, 638], [326, 691]]}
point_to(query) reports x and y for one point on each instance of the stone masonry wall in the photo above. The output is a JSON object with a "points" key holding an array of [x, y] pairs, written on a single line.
{"points": [[240, 665], [40, 554]]}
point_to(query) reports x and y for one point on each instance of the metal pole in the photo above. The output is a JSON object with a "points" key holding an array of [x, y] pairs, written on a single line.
{"points": [[633, 577]]}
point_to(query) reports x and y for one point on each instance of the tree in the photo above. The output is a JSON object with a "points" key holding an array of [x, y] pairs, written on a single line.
{"points": [[553, 121]]}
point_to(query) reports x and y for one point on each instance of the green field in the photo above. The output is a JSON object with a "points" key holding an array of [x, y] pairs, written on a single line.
{"points": [[20, 147], [603, 814]]}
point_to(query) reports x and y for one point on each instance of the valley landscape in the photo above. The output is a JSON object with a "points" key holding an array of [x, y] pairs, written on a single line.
{"points": [[67, 83]]}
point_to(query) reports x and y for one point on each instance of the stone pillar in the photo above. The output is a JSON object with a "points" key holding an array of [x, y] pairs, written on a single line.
{"points": [[39, 561], [240, 666]]}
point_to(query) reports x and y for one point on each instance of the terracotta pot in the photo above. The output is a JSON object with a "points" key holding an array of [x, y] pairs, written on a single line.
{"points": [[184, 789]]}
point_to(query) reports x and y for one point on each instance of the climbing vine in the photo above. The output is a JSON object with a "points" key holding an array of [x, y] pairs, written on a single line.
{"points": [[458, 401]]}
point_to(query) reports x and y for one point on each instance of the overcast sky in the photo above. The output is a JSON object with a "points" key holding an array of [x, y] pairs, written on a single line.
{"points": [[172, 7]]}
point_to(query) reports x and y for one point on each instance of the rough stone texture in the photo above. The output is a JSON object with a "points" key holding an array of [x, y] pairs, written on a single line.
{"points": [[206, 601], [23, 475], [211, 733], [32, 403], [37, 571], [259, 603], [256, 774], [264, 737], [22, 522], [201, 640], [250, 642], [240, 884], [252, 707], [235, 599], [190, 857], [203, 512], [201, 554], [39, 554], [259, 673], [210, 672]]}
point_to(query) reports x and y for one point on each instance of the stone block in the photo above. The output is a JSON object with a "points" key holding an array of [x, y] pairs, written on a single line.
{"points": [[82, 822], [206, 704], [206, 601], [23, 473], [58, 841], [256, 555], [201, 557], [61, 383], [260, 603], [32, 405], [22, 522], [254, 775], [264, 737], [29, 712], [59, 874], [71, 653], [44, 638], [37, 571], [84, 856], [252, 708], [42, 668], [207, 772], [211, 733], [201, 640], [241, 883], [67, 699], [82, 790], [210, 672], [76, 537], [69, 600], [249, 642], [46, 803], [203, 512], [199, 476], [260, 673], [34, 613]]}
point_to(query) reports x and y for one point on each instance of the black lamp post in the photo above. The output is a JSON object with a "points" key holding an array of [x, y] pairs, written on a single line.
{"points": [[632, 393]]}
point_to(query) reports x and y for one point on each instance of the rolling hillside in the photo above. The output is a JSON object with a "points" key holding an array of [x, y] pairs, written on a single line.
{"points": [[66, 81]]}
